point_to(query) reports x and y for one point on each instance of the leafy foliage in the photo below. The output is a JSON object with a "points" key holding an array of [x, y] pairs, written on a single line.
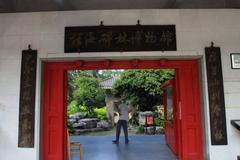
{"points": [[142, 88], [103, 74], [88, 92], [140, 129], [72, 78], [159, 122], [98, 112], [73, 108], [70, 127], [84, 90], [101, 113]]}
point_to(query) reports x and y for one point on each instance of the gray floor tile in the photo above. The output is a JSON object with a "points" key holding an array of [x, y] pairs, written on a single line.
{"points": [[139, 148]]}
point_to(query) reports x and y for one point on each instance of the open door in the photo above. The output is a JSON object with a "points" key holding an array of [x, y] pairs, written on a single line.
{"points": [[189, 113], [185, 139], [54, 113], [170, 115], [183, 130]]}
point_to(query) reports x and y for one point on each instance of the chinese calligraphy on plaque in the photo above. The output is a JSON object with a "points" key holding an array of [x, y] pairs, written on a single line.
{"points": [[27, 99], [120, 38], [216, 96]]}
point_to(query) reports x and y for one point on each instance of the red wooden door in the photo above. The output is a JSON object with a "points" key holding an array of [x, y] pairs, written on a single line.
{"points": [[54, 113], [184, 134], [187, 103], [190, 113], [170, 115]]}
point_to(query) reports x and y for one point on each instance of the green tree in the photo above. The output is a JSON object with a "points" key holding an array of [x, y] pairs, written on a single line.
{"points": [[87, 92], [73, 75], [142, 87]]}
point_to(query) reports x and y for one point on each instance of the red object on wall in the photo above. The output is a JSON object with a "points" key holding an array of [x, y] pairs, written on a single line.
{"points": [[149, 120], [54, 103]]}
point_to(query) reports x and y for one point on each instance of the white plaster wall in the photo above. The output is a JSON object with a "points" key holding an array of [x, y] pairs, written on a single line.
{"points": [[45, 32]]}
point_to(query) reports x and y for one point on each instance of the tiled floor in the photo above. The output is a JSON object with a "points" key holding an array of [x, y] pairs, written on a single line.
{"points": [[139, 148]]}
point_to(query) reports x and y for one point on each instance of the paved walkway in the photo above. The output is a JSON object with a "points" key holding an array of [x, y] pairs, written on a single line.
{"points": [[139, 148]]}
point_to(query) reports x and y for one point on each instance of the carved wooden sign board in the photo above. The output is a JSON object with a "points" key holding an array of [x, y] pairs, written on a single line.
{"points": [[120, 38], [27, 99], [216, 96]]}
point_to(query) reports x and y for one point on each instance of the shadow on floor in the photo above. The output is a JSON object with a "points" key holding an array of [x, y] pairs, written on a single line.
{"points": [[139, 148]]}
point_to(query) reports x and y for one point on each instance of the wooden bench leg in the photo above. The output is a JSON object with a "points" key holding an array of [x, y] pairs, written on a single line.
{"points": [[69, 153], [81, 153]]}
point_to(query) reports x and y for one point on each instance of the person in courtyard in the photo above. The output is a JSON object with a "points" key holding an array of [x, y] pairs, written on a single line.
{"points": [[123, 110]]}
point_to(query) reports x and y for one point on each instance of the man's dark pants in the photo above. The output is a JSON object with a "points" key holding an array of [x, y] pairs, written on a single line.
{"points": [[122, 123]]}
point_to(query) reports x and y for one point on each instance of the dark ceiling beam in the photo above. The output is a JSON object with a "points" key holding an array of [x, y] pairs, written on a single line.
{"points": [[62, 5]]}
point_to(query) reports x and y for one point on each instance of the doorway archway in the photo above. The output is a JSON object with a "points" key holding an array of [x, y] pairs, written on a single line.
{"points": [[55, 96]]}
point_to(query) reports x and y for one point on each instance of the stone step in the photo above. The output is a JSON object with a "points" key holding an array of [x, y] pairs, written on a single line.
{"points": [[79, 131]]}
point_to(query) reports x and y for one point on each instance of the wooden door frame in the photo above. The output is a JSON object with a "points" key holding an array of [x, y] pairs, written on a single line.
{"points": [[123, 64]]}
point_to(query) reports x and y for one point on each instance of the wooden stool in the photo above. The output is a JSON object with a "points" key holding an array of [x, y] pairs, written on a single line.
{"points": [[74, 147]]}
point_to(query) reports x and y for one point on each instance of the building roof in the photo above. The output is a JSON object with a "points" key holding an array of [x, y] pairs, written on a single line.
{"points": [[108, 83]]}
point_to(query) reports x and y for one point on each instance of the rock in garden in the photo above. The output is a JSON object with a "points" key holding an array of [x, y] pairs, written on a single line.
{"points": [[80, 131], [90, 122], [150, 130], [79, 125], [103, 124], [159, 130], [96, 129], [72, 120], [76, 116]]}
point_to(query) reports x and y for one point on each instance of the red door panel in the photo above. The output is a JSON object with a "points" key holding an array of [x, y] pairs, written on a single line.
{"points": [[191, 113], [53, 114], [170, 115], [187, 103]]}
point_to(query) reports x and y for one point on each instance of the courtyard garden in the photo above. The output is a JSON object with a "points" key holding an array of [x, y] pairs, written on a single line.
{"points": [[92, 96]]}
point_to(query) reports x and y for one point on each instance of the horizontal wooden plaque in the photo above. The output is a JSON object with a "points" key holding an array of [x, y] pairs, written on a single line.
{"points": [[216, 96], [27, 99], [120, 38]]}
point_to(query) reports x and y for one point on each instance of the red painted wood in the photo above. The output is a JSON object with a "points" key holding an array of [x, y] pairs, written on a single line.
{"points": [[65, 131], [171, 127], [191, 113], [178, 115], [54, 107], [53, 113]]}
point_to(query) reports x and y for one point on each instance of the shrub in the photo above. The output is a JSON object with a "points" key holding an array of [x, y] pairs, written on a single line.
{"points": [[140, 129], [73, 108], [157, 121], [70, 127], [101, 113]]}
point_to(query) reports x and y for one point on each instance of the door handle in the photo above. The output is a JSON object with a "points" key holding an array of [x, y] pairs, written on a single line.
{"points": [[180, 110]]}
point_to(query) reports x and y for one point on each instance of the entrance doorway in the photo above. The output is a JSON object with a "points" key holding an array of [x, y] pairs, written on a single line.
{"points": [[55, 96]]}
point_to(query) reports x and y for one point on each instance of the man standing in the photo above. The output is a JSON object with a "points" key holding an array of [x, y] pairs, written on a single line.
{"points": [[122, 122]]}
